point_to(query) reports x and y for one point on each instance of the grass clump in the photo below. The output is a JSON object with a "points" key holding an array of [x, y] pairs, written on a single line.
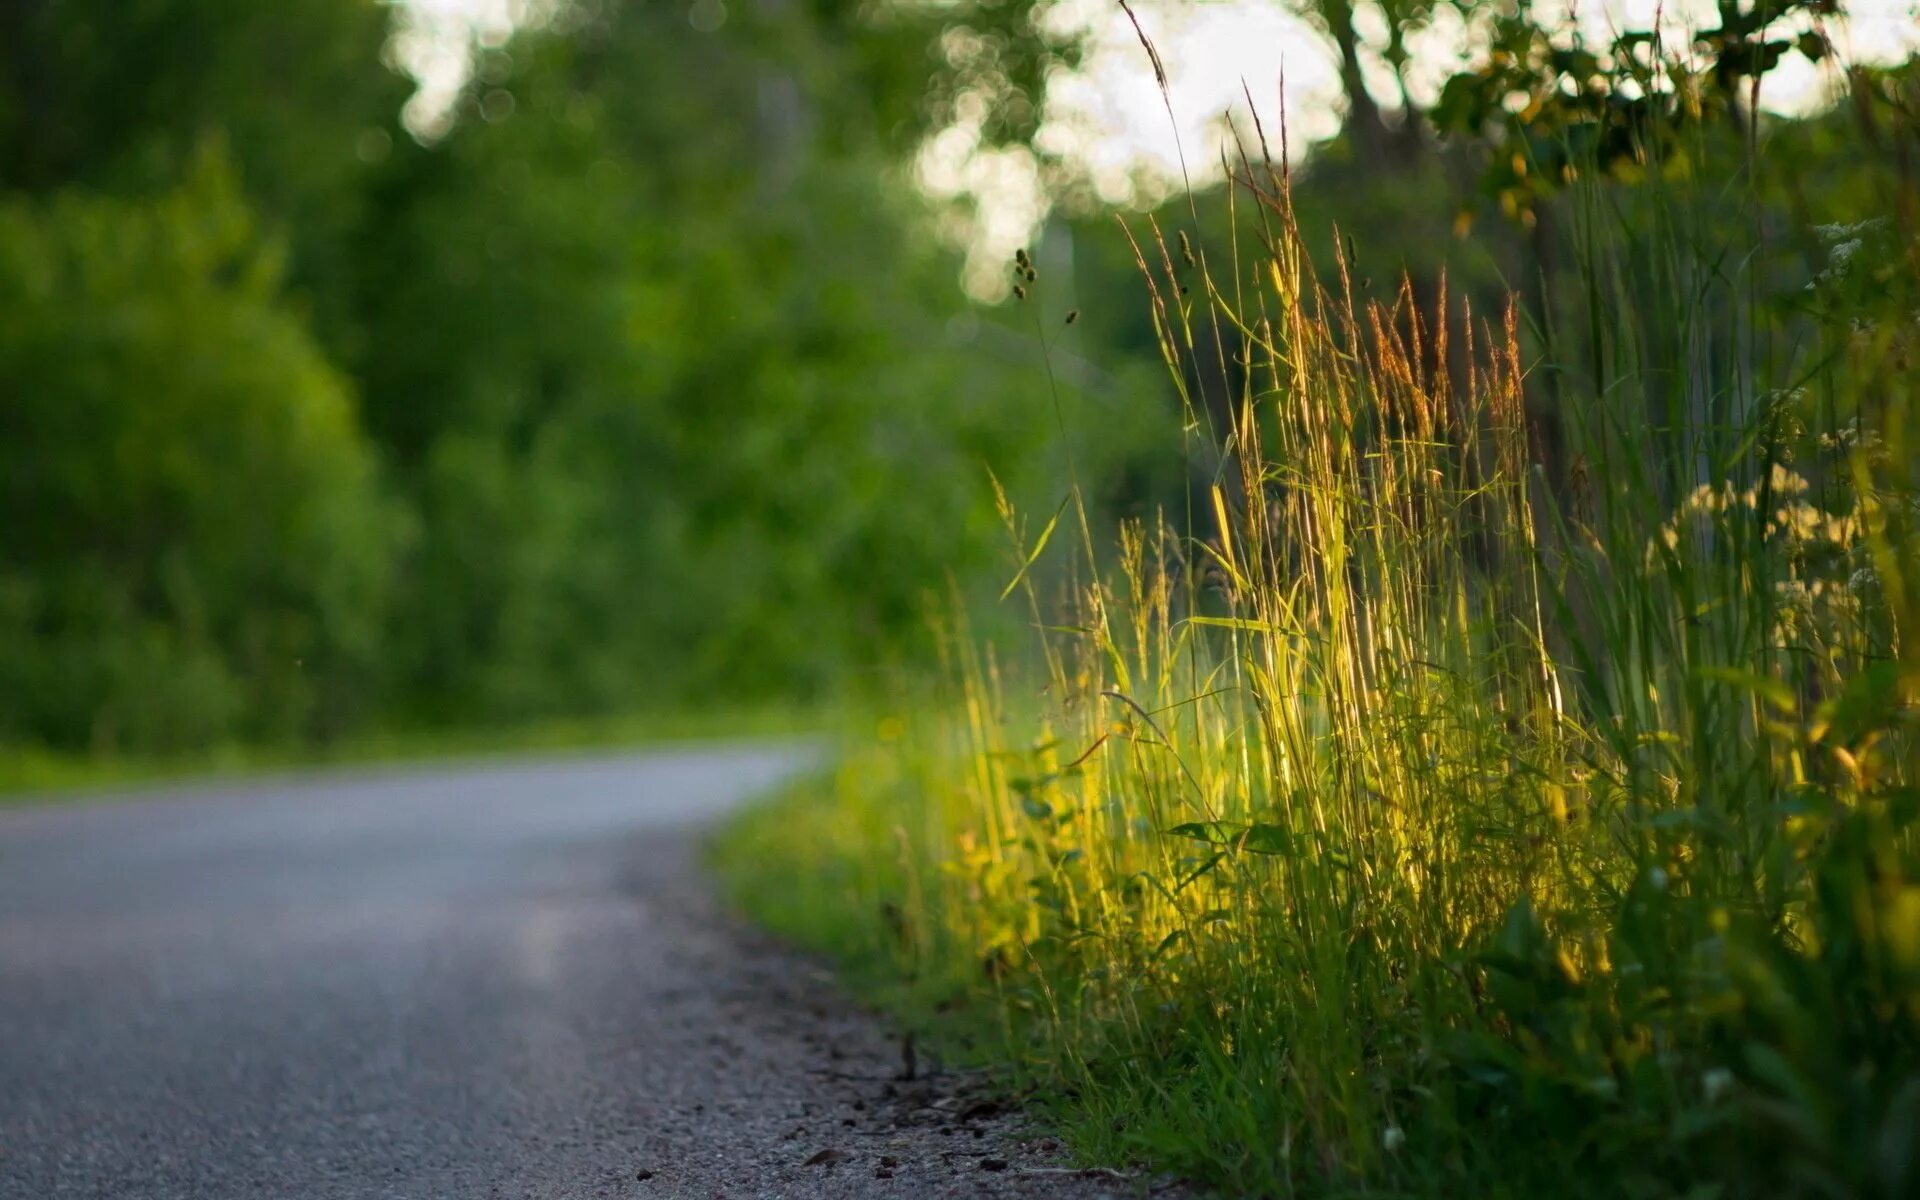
{"points": [[1462, 801]]}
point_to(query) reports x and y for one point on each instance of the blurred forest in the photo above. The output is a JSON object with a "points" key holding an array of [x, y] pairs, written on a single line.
{"points": [[644, 383]]}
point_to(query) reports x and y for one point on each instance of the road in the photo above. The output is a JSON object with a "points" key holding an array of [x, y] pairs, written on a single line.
{"points": [[490, 981]]}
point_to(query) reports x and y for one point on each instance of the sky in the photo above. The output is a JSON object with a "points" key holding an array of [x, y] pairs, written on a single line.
{"points": [[1110, 119], [1212, 47]]}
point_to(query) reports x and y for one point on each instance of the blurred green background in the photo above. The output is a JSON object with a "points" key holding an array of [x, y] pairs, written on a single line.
{"points": [[637, 377], [643, 384]]}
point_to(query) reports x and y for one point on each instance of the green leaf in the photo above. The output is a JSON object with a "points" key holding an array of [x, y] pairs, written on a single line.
{"points": [[1869, 702], [1270, 839], [1903, 804], [1038, 546], [1255, 839], [1234, 623], [1771, 690], [1212, 832], [1167, 943], [1202, 869]]}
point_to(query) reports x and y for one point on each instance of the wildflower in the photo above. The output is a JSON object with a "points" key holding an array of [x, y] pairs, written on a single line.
{"points": [[1707, 499], [1784, 482], [1839, 233], [1805, 523], [1844, 242], [1393, 1138]]}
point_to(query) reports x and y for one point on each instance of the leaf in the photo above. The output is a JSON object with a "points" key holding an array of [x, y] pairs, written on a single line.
{"points": [[1255, 839], [1270, 839], [1225, 532], [1521, 936], [1903, 804], [1869, 702], [1773, 691], [1167, 943], [1213, 832], [1202, 869], [1772, 1069], [1038, 546], [1234, 623]]}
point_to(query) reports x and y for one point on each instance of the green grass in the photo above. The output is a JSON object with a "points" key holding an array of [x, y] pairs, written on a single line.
{"points": [[37, 776], [1417, 819]]}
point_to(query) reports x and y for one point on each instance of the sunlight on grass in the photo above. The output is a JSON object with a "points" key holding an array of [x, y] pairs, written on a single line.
{"points": [[1417, 819]]}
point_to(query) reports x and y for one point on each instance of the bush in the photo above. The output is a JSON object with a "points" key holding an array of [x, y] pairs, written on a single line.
{"points": [[199, 548]]}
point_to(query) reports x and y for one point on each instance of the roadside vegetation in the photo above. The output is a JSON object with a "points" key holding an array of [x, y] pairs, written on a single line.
{"points": [[1422, 689], [1497, 774]]}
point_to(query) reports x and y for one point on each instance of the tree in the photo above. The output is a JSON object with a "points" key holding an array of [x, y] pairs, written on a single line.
{"points": [[119, 95], [196, 545], [676, 395]]}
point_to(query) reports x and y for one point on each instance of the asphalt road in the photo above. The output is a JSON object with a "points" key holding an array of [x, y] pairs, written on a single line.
{"points": [[494, 981]]}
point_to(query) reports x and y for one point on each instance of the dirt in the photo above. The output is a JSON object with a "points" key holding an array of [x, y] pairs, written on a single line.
{"points": [[813, 1096]]}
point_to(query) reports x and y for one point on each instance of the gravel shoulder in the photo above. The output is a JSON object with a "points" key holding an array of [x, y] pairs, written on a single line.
{"points": [[806, 1095]]}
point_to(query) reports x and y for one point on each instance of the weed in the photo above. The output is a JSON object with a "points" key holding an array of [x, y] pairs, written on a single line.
{"points": [[1421, 820]]}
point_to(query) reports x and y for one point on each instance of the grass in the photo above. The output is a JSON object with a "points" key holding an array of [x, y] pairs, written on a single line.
{"points": [[38, 776], [1446, 808]]}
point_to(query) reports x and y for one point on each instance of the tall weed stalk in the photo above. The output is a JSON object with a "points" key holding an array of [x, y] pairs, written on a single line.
{"points": [[1455, 805]]}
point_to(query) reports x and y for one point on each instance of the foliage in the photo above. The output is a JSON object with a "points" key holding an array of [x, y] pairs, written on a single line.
{"points": [[645, 384], [1427, 818], [198, 547], [119, 96], [1550, 103], [708, 421]]}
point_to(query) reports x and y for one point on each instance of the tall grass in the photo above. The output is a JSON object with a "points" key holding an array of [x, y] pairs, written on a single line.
{"points": [[1456, 803]]}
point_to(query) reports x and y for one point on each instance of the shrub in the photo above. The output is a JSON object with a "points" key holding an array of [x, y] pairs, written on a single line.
{"points": [[199, 550]]}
